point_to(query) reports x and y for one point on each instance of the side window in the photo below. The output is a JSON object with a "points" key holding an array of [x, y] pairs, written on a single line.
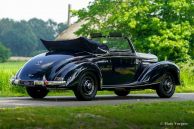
{"points": [[115, 43]]}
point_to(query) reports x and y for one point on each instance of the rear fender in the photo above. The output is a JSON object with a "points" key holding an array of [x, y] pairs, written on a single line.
{"points": [[72, 71], [154, 72]]}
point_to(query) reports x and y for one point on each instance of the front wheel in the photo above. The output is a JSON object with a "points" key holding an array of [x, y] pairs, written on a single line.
{"points": [[37, 92], [87, 88], [166, 88], [121, 92]]}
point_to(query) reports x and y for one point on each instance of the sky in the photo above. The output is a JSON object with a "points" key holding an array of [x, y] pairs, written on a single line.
{"points": [[43, 9]]}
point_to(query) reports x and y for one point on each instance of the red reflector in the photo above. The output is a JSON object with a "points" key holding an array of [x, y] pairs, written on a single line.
{"points": [[45, 82]]}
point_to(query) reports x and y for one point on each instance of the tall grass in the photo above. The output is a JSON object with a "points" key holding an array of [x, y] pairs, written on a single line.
{"points": [[8, 69], [187, 76]]}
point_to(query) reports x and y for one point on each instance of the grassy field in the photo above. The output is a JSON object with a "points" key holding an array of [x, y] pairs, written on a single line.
{"points": [[9, 69], [164, 115]]}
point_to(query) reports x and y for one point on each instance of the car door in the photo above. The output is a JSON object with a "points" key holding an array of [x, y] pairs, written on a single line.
{"points": [[119, 66], [123, 67]]}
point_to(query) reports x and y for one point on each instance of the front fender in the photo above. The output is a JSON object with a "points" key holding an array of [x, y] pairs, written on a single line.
{"points": [[154, 72], [72, 71]]}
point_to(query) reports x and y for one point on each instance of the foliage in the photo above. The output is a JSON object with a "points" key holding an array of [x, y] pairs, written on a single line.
{"points": [[157, 115], [162, 27], [4, 53], [187, 73], [23, 37]]}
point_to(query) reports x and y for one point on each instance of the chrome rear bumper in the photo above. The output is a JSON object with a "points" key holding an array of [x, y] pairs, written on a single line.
{"points": [[37, 82]]}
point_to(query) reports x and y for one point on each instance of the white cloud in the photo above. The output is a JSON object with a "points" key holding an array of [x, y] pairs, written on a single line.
{"points": [[43, 9]]}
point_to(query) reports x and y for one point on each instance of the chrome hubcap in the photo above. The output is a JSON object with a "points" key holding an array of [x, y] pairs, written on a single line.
{"points": [[168, 84], [88, 86]]}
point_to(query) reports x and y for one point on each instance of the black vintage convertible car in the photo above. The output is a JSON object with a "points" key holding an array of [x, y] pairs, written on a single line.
{"points": [[103, 63]]}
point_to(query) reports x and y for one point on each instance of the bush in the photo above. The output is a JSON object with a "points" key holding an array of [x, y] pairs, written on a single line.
{"points": [[187, 73], [4, 53]]}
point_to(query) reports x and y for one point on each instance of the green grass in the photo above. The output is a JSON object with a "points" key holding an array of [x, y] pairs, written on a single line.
{"points": [[187, 76], [136, 116], [9, 69]]}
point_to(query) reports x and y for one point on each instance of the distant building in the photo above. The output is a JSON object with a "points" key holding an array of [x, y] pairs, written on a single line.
{"points": [[69, 33]]}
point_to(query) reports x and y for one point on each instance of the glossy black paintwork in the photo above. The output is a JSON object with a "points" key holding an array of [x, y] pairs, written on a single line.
{"points": [[113, 69]]}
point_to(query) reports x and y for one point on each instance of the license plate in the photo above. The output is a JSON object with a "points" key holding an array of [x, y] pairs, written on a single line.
{"points": [[27, 83]]}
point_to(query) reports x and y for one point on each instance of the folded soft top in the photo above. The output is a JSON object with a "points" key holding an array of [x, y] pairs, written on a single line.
{"points": [[80, 44]]}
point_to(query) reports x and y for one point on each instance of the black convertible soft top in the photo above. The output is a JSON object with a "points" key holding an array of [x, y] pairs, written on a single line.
{"points": [[80, 44]]}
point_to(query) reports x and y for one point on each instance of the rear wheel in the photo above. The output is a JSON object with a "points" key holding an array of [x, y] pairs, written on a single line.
{"points": [[37, 92], [121, 92], [166, 87], [87, 87]]}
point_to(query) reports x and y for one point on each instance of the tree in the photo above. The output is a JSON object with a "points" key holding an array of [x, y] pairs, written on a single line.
{"points": [[23, 37], [61, 27], [4, 53], [42, 30], [18, 36], [45, 30], [162, 27]]}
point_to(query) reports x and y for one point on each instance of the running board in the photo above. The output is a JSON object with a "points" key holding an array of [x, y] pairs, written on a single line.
{"points": [[138, 86]]}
